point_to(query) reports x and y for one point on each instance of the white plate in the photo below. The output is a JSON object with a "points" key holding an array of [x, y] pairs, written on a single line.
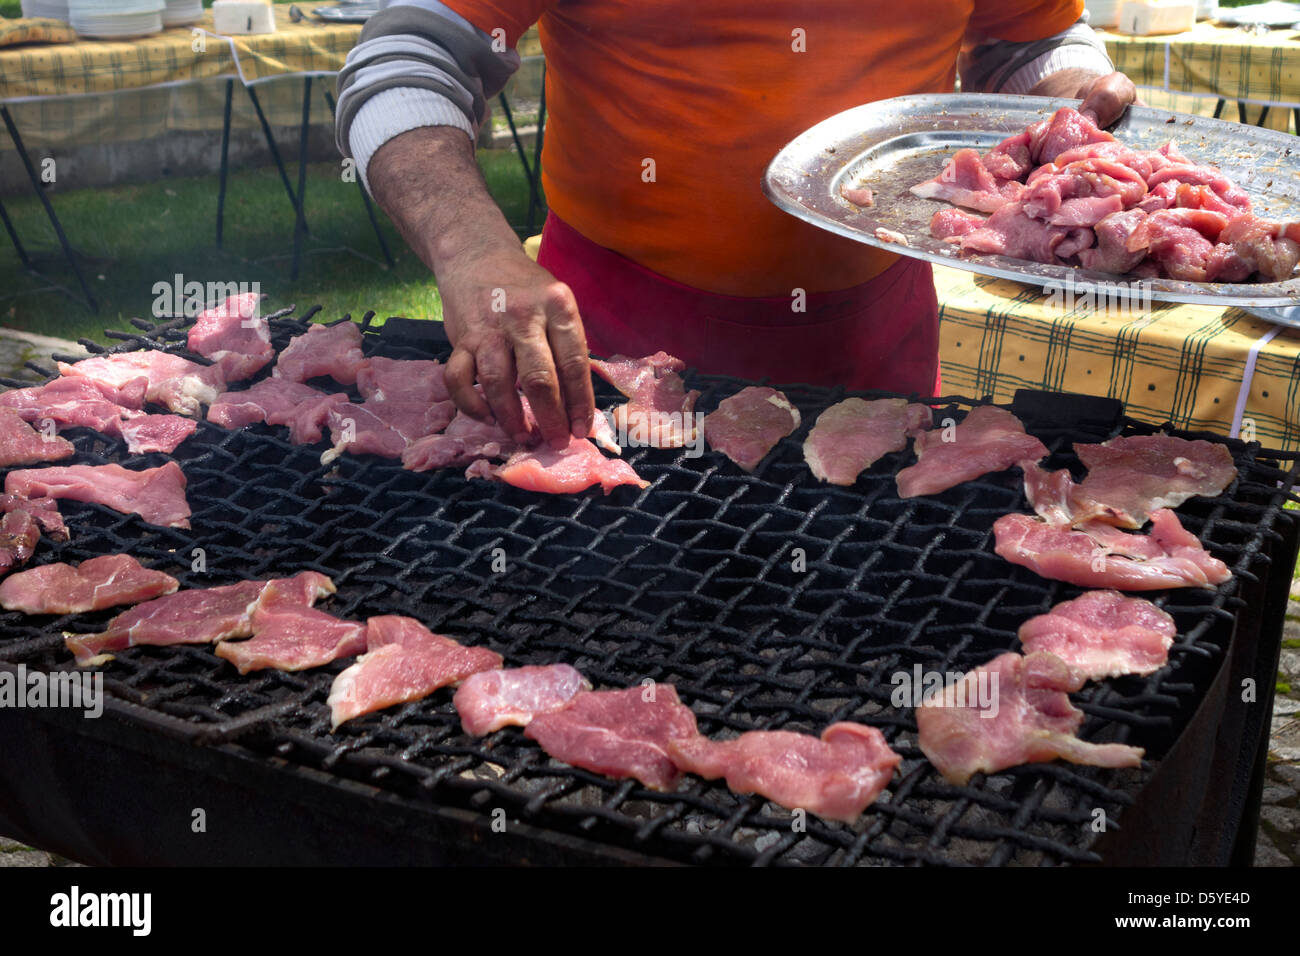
{"points": [[129, 25], [1271, 14]]}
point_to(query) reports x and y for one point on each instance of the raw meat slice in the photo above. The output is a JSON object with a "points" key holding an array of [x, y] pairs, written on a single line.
{"points": [[333, 350], [1103, 634], [836, 776], [462, 442], [619, 733], [402, 380], [1269, 248], [1132, 476], [989, 439], [20, 444], [1083, 192], [1067, 129], [661, 411], [404, 661], [307, 418], [1111, 253], [39, 401], [1128, 478], [44, 511], [1029, 720], [1187, 174], [358, 430], [174, 382], [196, 616], [493, 699], [1114, 151], [74, 402], [965, 181], [858, 195], [234, 336], [157, 495], [19, 534], [850, 436], [144, 433], [1101, 556], [1180, 240], [1010, 159], [1011, 232], [81, 403], [93, 585], [574, 468], [748, 425], [384, 428], [299, 406], [1225, 264], [293, 638], [952, 224], [889, 235]]}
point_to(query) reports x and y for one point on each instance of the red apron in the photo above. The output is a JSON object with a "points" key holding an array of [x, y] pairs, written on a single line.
{"points": [[883, 334]]}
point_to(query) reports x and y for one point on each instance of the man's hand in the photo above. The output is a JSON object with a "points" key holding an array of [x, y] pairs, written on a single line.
{"points": [[506, 316], [509, 319], [1105, 98]]}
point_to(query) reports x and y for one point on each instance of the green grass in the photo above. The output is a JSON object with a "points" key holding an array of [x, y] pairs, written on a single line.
{"points": [[131, 237]]}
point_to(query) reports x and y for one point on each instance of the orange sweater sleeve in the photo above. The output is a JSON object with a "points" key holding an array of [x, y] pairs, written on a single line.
{"points": [[513, 16], [1021, 21]]}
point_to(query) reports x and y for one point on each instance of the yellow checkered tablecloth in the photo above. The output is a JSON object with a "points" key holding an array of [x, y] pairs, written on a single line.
{"points": [[1177, 363], [1213, 61], [176, 55]]}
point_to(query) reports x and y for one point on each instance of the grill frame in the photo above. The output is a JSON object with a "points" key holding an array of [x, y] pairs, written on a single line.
{"points": [[623, 825]]}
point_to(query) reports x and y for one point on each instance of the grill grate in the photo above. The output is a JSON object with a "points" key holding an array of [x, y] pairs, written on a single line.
{"points": [[691, 582]]}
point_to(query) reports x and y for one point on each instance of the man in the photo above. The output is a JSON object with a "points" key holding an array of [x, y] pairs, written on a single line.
{"points": [[663, 116]]}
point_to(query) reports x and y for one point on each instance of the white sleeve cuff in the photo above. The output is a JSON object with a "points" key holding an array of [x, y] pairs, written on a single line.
{"points": [[395, 111], [1075, 56]]}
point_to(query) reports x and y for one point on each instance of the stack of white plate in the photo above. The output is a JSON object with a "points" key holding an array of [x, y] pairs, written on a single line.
{"points": [[180, 12], [115, 19], [53, 9], [1102, 14]]}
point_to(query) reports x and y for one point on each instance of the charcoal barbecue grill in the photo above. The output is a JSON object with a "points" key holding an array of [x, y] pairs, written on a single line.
{"points": [[769, 600]]}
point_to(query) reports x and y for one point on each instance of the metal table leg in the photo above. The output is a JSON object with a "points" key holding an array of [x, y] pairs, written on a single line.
{"points": [[275, 151], [225, 160], [49, 209], [365, 197], [519, 145], [535, 189], [13, 235], [300, 223]]}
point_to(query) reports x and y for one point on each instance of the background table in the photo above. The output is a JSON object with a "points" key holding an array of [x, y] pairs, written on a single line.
{"points": [[73, 88], [1175, 363], [1258, 72]]}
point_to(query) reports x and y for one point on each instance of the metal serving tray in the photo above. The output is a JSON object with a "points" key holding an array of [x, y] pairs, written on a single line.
{"points": [[893, 144]]}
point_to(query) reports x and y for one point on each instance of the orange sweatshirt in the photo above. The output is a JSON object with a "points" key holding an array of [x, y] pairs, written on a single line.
{"points": [[663, 116]]}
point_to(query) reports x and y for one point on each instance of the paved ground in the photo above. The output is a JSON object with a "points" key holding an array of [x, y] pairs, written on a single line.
{"points": [[1279, 832], [18, 348], [1279, 819]]}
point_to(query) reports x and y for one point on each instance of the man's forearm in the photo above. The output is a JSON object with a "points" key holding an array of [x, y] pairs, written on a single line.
{"points": [[429, 183]]}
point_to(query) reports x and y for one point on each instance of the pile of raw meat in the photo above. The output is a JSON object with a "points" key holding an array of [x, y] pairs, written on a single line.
{"points": [[1064, 191]]}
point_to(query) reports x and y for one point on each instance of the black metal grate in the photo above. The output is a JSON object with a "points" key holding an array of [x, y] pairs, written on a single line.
{"points": [[691, 582]]}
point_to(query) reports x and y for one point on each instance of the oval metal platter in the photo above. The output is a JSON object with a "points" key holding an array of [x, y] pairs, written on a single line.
{"points": [[893, 144]]}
